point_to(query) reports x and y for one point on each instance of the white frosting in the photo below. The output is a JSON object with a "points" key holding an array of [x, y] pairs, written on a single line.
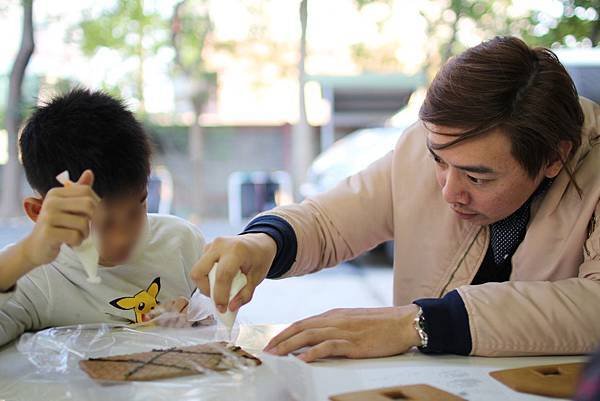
{"points": [[239, 281], [87, 251], [88, 255]]}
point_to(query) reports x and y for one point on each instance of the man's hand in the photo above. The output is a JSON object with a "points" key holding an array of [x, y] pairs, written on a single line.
{"points": [[351, 333], [253, 254], [64, 219]]}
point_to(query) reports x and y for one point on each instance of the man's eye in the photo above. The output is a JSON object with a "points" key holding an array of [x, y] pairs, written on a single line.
{"points": [[477, 181], [436, 159]]}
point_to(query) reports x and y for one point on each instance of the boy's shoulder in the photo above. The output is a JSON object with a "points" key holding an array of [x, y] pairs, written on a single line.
{"points": [[172, 235], [163, 227]]}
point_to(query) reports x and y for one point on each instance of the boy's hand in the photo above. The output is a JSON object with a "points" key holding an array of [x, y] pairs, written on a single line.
{"points": [[64, 219], [174, 314], [253, 254]]}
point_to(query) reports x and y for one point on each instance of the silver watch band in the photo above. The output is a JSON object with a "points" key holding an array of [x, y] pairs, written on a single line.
{"points": [[419, 324]]}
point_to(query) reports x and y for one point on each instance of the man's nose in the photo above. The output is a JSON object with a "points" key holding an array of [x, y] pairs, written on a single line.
{"points": [[453, 189]]}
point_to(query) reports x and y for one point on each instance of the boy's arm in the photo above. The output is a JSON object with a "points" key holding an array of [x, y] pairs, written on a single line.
{"points": [[64, 218], [24, 309], [14, 264]]}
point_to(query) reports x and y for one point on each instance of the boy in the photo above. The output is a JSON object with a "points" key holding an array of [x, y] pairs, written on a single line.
{"points": [[144, 259]]}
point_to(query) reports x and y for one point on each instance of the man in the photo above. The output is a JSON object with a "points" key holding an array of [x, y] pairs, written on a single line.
{"points": [[491, 199]]}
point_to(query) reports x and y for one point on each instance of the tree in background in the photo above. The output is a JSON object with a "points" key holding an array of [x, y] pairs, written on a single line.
{"points": [[578, 20], [302, 138], [303, 141], [381, 58], [190, 32], [11, 194], [450, 22], [578, 23], [129, 29]]}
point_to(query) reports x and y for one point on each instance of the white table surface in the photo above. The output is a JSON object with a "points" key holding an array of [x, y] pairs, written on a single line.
{"points": [[279, 378]]}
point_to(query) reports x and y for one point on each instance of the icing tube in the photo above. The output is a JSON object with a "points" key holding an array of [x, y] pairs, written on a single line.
{"points": [[87, 252], [239, 281]]}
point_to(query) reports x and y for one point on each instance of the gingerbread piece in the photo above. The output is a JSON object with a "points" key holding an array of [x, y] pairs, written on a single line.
{"points": [[415, 392], [168, 363], [557, 381]]}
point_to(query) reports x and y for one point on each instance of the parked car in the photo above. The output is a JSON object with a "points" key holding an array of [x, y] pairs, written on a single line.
{"points": [[584, 67], [354, 153]]}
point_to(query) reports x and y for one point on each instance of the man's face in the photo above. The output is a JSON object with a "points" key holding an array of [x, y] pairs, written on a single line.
{"points": [[480, 179], [122, 222]]}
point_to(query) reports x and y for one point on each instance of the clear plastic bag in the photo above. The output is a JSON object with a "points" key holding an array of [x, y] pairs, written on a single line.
{"points": [[56, 353], [199, 310]]}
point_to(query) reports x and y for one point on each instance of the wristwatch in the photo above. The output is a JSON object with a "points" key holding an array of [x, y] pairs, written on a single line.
{"points": [[419, 324]]}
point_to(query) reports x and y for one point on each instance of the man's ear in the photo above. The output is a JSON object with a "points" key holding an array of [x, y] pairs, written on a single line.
{"points": [[554, 167], [32, 207]]}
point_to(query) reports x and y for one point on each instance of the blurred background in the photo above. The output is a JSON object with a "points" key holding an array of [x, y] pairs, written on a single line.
{"points": [[257, 103]]}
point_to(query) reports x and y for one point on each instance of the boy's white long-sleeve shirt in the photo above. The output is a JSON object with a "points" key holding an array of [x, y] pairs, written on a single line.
{"points": [[58, 294]]}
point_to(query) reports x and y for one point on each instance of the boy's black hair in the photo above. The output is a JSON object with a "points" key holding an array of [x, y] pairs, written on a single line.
{"points": [[81, 130]]}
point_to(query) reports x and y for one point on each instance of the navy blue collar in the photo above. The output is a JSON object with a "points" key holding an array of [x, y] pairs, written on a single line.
{"points": [[507, 234]]}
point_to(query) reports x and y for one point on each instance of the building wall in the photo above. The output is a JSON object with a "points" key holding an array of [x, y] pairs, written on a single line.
{"points": [[226, 150]]}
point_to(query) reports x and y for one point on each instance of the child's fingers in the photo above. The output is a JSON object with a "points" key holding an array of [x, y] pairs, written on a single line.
{"points": [[83, 205], [71, 222], [66, 236], [156, 312], [86, 178], [73, 190], [180, 304], [169, 319]]}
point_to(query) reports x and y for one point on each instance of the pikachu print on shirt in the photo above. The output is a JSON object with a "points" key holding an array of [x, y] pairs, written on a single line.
{"points": [[141, 303]]}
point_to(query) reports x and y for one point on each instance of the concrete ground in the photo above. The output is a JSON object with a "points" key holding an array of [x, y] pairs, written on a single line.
{"points": [[364, 283]]}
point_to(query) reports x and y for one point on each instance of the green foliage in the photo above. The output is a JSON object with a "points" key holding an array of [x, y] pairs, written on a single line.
{"points": [[361, 3], [580, 22], [131, 30], [121, 28]]}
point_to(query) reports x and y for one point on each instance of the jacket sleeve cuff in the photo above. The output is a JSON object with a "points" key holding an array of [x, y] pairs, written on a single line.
{"points": [[446, 325], [284, 236]]}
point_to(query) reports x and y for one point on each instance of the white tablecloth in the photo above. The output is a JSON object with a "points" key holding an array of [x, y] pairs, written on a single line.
{"points": [[281, 379]]}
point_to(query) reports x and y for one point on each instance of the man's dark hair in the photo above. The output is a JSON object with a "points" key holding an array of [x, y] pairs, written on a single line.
{"points": [[81, 130], [503, 83]]}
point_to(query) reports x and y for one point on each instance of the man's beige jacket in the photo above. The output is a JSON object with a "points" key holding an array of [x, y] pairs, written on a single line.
{"points": [[551, 305]]}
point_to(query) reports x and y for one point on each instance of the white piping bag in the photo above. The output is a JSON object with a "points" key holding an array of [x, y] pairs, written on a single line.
{"points": [[87, 251], [239, 281]]}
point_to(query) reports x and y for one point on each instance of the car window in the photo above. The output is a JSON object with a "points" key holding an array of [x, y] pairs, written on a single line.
{"points": [[587, 80]]}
